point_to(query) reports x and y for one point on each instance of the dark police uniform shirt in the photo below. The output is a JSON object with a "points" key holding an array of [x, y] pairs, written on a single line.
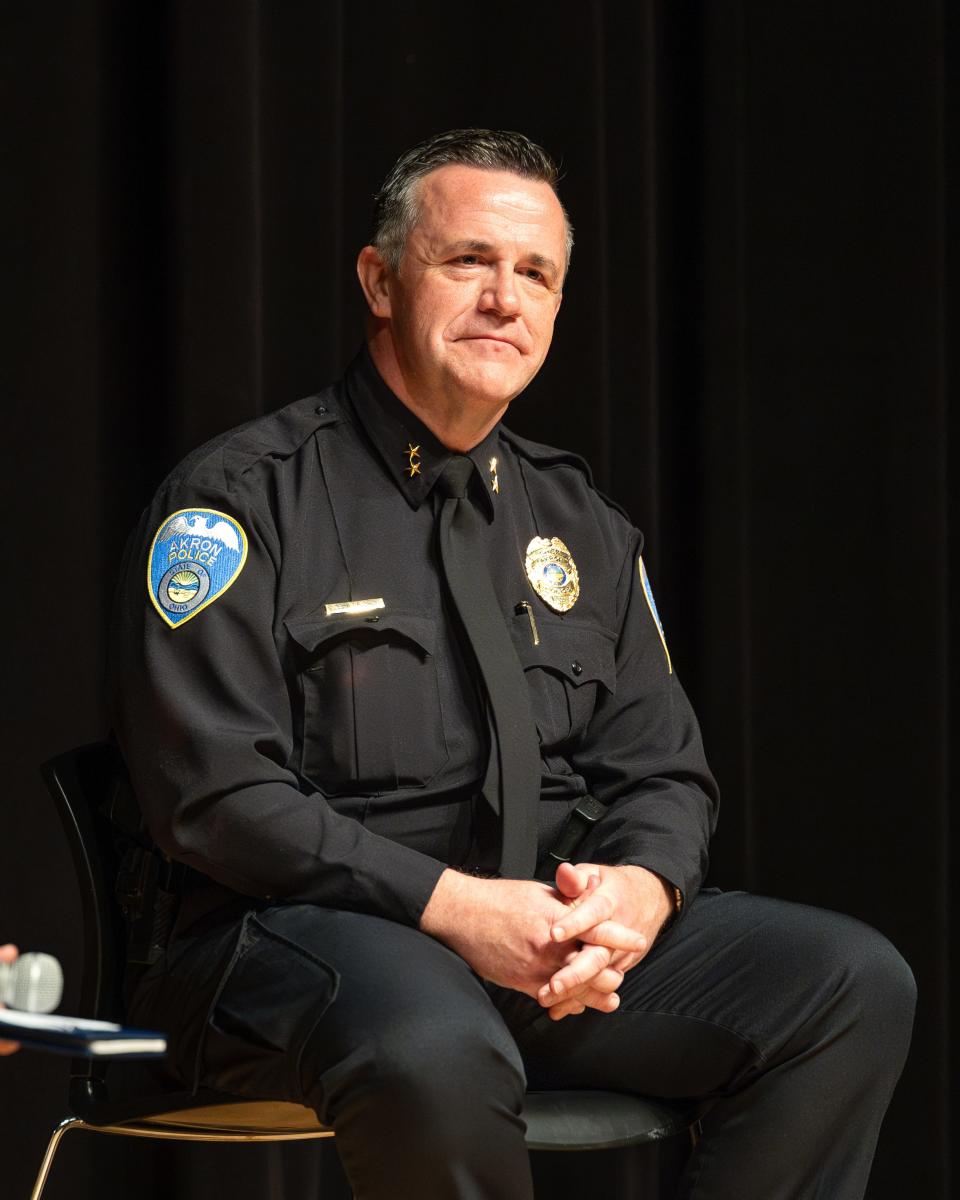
{"points": [[291, 745]]}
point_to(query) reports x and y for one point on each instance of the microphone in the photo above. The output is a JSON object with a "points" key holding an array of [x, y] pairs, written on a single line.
{"points": [[34, 983]]}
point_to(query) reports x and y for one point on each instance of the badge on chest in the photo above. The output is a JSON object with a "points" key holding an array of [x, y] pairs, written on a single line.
{"points": [[552, 573]]}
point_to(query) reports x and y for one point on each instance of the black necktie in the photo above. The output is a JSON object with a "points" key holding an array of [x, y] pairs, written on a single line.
{"points": [[515, 749]]}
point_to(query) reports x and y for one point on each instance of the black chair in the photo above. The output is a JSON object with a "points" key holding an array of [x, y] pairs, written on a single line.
{"points": [[83, 783]]}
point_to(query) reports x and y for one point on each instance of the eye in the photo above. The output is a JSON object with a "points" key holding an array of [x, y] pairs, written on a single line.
{"points": [[467, 260], [537, 276]]}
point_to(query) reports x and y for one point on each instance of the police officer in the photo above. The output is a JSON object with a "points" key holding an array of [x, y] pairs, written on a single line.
{"points": [[381, 667]]}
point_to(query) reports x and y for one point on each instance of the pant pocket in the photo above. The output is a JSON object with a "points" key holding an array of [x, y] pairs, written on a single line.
{"points": [[271, 995]]}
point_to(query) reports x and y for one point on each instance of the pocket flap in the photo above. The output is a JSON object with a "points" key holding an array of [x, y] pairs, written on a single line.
{"points": [[580, 653], [313, 633]]}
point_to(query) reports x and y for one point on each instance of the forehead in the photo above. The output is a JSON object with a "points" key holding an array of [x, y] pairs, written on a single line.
{"points": [[457, 202]]}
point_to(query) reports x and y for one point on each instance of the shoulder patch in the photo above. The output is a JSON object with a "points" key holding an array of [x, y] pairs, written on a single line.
{"points": [[197, 553], [652, 605]]}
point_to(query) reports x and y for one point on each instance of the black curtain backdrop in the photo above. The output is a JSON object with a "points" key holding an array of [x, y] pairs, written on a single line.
{"points": [[753, 352]]}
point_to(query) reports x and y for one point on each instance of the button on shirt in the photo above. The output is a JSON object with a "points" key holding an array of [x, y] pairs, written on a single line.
{"points": [[290, 744]]}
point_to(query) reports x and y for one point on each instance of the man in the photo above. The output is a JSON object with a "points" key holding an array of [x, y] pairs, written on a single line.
{"points": [[388, 658]]}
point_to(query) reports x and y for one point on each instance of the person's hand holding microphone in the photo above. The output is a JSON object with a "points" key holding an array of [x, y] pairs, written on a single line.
{"points": [[8, 954]]}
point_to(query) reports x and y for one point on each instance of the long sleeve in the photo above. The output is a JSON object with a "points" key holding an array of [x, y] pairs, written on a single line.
{"points": [[202, 712], [642, 753]]}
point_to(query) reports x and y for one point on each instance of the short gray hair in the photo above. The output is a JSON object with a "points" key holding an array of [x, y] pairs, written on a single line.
{"points": [[396, 206]]}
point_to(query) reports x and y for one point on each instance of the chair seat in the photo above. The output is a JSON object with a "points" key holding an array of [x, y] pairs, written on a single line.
{"points": [[572, 1120], [598, 1120], [241, 1116]]}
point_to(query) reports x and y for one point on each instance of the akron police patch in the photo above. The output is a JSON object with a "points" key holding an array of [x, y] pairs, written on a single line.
{"points": [[196, 555], [652, 605]]}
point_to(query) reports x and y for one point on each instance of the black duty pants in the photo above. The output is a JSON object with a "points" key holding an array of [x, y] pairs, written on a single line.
{"points": [[789, 1024]]}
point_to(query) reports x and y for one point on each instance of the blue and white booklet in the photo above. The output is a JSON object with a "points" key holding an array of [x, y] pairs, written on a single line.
{"points": [[79, 1036]]}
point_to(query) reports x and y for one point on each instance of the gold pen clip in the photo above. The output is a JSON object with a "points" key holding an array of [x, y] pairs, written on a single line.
{"points": [[526, 607]]}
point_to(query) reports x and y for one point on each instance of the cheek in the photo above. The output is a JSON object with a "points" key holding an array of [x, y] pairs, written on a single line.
{"points": [[433, 327], [542, 327], [421, 328], [459, 317], [437, 316]]}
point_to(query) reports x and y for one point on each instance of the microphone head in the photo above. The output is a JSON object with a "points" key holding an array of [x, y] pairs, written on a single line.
{"points": [[34, 983]]}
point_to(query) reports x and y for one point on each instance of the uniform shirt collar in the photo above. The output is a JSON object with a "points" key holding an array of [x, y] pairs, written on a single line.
{"points": [[412, 455]]}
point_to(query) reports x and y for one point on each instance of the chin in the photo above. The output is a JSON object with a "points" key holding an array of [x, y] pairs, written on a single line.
{"points": [[492, 384], [491, 393]]}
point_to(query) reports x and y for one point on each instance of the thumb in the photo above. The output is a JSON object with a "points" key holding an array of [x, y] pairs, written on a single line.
{"points": [[574, 881]]}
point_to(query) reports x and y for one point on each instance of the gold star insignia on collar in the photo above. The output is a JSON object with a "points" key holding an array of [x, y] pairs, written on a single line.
{"points": [[413, 459], [494, 479]]}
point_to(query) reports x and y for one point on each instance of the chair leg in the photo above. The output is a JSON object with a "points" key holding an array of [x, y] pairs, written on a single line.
{"points": [[55, 1137]]}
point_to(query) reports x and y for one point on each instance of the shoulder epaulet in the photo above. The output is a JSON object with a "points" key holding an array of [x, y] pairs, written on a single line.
{"points": [[551, 456], [547, 455], [223, 460]]}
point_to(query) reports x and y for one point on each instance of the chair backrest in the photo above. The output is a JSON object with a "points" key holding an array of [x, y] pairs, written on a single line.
{"points": [[84, 783]]}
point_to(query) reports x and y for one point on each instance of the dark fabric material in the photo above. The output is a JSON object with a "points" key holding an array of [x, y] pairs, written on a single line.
{"points": [[386, 1033], [291, 753], [788, 1025], [512, 779]]}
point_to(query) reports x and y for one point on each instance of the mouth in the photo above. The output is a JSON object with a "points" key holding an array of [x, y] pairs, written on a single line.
{"points": [[491, 337]]}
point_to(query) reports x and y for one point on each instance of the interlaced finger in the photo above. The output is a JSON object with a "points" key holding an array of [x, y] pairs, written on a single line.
{"points": [[615, 936], [581, 969], [595, 908], [602, 984], [603, 1002]]}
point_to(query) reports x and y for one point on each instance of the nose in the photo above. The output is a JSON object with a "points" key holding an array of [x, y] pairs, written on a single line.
{"points": [[500, 293]]}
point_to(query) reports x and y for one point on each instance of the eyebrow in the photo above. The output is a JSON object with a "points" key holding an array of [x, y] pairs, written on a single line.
{"points": [[479, 247]]}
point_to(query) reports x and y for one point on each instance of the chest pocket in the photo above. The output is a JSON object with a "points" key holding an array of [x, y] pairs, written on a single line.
{"points": [[371, 703], [564, 673]]}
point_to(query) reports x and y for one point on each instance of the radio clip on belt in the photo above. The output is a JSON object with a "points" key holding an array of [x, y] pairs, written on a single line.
{"points": [[583, 818]]}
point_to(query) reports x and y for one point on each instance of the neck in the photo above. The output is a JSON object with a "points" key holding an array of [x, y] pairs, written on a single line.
{"points": [[458, 426]]}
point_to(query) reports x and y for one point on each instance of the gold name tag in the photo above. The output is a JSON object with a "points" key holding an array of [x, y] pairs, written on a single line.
{"points": [[353, 607]]}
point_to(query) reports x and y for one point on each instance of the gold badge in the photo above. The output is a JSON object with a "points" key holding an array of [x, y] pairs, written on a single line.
{"points": [[494, 477], [552, 573], [413, 459]]}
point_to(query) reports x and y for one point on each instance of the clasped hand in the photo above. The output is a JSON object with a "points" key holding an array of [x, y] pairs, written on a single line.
{"points": [[568, 946], [613, 916]]}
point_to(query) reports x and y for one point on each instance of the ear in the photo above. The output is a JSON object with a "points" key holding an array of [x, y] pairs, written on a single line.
{"points": [[374, 276]]}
